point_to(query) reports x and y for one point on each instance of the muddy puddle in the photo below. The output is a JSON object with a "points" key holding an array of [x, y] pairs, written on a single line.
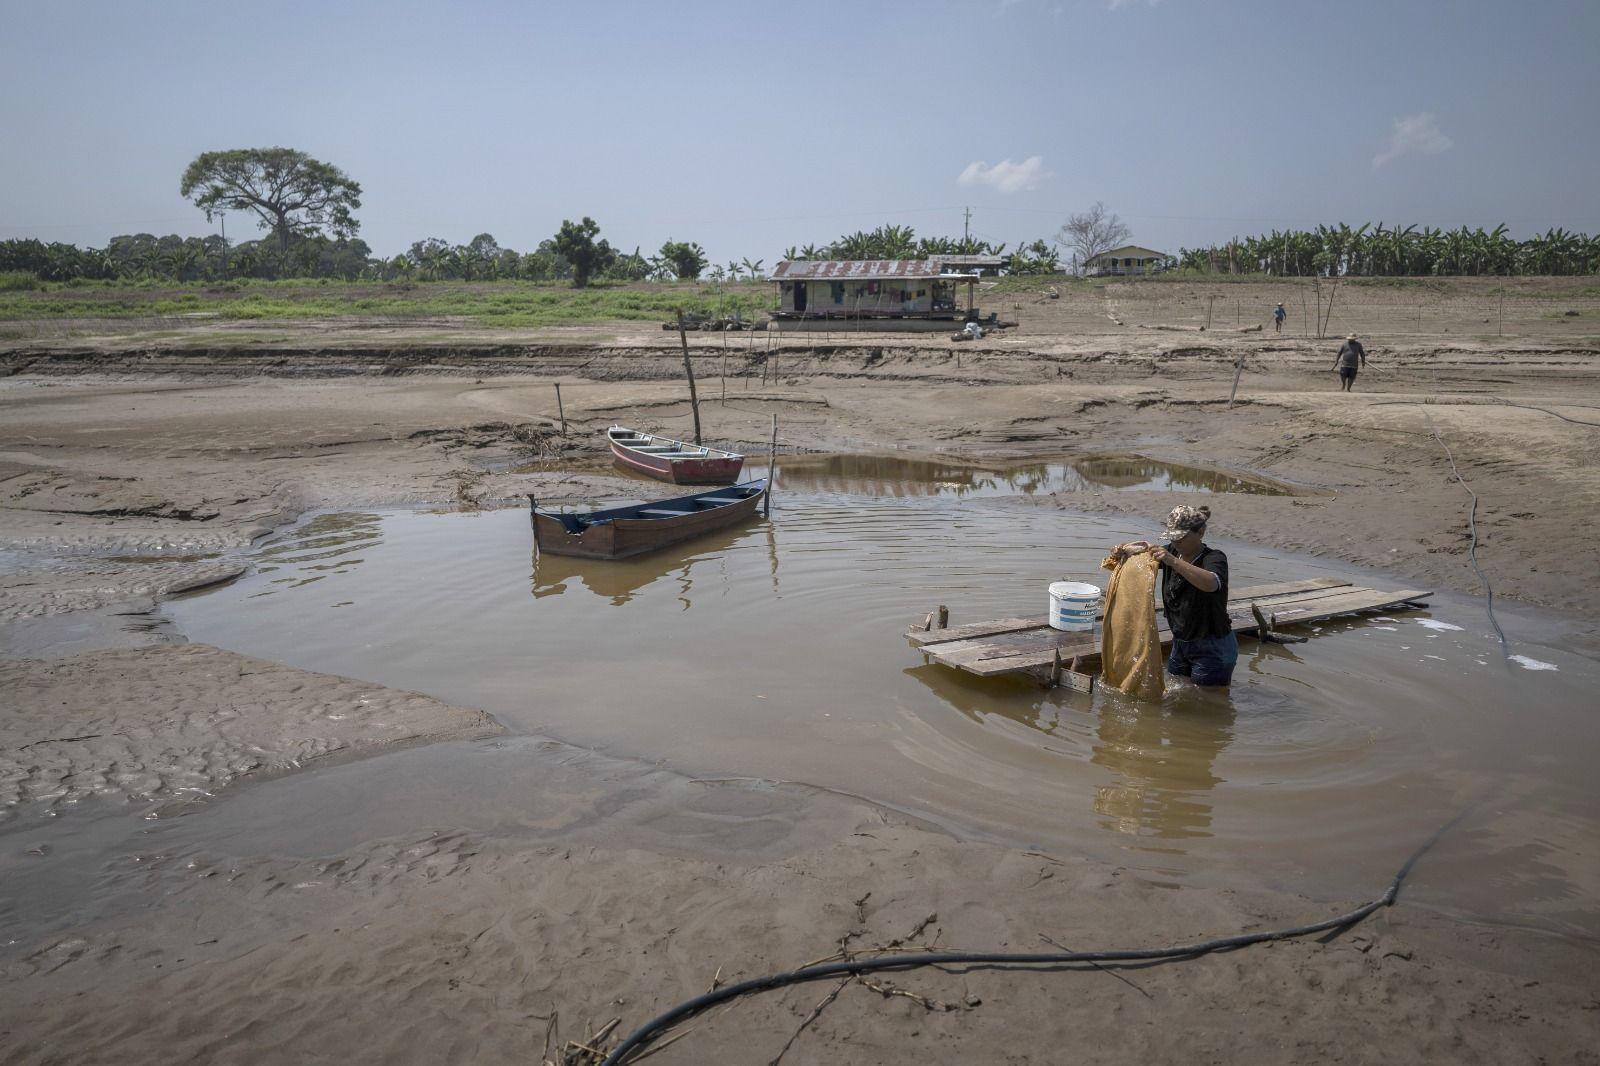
{"points": [[900, 476], [775, 652], [887, 475]]}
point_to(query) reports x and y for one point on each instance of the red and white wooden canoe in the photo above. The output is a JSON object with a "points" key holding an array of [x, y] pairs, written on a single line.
{"points": [[673, 460]]}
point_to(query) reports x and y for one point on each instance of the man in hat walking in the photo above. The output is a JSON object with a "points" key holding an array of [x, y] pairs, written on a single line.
{"points": [[1352, 357], [1278, 315]]}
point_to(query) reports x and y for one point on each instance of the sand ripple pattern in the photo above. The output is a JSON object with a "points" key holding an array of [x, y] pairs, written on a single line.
{"points": [[174, 723]]}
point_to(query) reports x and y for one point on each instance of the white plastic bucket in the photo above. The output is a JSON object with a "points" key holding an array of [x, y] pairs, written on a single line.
{"points": [[1074, 606]]}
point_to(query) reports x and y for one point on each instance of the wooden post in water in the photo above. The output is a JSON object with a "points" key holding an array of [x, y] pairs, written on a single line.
{"points": [[772, 468], [688, 368], [562, 411], [944, 617]]}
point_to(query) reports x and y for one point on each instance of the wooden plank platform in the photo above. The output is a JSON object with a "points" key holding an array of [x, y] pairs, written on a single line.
{"points": [[1029, 645]]}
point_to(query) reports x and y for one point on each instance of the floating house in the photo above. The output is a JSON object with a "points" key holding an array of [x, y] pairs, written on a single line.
{"points": [[1128, 260], [907, 295]]}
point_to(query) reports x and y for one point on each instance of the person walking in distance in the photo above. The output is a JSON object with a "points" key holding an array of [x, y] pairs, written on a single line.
{"points": [[1352, 357], [1278, 315]]}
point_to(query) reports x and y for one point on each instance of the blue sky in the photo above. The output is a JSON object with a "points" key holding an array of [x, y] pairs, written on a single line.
{"points": [[749, 127]]}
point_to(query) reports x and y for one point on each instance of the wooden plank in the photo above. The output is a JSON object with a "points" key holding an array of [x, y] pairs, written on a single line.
{"points": [[1356, 600], [1297, 599], [1076, 681], [989, 658], [920, 637], [1278, 588], [1038, 651], [1088, 655]]}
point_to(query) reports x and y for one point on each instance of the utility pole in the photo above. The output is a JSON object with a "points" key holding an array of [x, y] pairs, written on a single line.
{"points": [[966, 228], [224, 219]]}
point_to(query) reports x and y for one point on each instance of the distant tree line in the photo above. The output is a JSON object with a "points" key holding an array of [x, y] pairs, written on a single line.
{"points": [[902, 242], [308, 209], [1397, 251], [573, 254]]}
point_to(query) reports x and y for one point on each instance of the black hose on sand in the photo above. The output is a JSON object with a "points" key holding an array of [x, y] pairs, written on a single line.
{"points": [[657, 1026]]}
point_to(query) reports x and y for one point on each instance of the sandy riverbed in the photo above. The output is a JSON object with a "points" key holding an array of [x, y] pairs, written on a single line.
{"points": [[117, 487]]}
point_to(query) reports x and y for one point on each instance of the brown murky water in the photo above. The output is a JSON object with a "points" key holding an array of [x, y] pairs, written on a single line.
{"points": [[775, 651]]}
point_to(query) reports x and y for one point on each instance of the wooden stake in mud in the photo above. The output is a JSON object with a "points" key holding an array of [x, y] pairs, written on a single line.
{"points": [[1238, 369], [562, 411], [688, 368], [944, 617], [724, 379], [772, 469], [1502, 314], [1210, 302], [1305, 315]]}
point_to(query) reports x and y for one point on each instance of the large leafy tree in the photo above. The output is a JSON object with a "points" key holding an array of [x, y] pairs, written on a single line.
{"points": [[575, 242], [686, 259], [290, 193]]}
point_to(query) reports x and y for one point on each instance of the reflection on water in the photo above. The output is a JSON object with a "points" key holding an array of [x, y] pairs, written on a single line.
{"points": [[327, 544], [618, 581], [1161, 757], [1141, 473], [895, 476], [1164, 762], [776, 650]]}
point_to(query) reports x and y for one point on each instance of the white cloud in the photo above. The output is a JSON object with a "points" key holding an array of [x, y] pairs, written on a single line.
{"points": [[1006, 176], [1417, 133]]}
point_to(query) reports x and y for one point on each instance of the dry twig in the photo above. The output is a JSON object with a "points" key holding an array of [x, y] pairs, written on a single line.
{"points": [[816, 1012], [1096, 965]]}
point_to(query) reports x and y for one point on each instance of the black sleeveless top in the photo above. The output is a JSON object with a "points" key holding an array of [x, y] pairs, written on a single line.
{"points": [[1191, 613]]}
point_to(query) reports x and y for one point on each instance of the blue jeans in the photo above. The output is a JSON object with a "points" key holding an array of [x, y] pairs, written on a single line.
{"points": [[1205, 662]]}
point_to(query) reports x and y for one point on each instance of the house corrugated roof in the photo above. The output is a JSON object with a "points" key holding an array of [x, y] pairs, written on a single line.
{"points": [[1130, 250], [863, 269], [989, 261]]}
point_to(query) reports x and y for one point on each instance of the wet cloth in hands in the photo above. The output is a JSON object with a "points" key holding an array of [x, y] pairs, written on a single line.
{"points": [[1130, 646]]}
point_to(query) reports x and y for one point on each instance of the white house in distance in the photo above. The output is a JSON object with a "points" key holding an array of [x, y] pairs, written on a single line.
{"points": [[1130, 259]]}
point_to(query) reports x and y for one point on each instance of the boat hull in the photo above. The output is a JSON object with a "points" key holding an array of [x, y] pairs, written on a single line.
{"points": [[625, 536], [711, 470]]}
